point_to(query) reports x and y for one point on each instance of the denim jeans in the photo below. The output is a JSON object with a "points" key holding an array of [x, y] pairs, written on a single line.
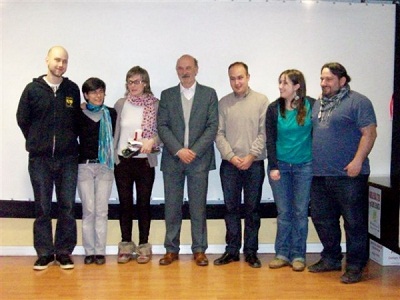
{"points": [[62, 173], [233, 182], [335, 196], [292, 197], [128, 172], [94, 186]]}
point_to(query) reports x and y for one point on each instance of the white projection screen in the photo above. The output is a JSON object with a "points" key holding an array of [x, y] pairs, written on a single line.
{"points": [[106, 38]]}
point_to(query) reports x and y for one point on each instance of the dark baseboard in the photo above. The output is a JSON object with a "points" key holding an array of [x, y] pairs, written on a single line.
{"points": [[215, 210]]}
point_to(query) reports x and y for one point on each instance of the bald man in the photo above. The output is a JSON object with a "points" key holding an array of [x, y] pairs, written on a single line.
{"points": [[47, 116]]}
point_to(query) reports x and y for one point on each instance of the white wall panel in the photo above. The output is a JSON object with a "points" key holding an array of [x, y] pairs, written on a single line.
{"points": [[106, 38]]}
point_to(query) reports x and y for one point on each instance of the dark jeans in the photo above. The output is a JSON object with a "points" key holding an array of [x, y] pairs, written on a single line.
{"points": [[233, 182], [335, 196], [128, 172], [61, 173]]}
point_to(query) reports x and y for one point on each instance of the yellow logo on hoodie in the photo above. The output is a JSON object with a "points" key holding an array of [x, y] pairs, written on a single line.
{"points": [[69, 102]]}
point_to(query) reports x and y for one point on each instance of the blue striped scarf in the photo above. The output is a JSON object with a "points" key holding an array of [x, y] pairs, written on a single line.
{"points": [[106, 150]]}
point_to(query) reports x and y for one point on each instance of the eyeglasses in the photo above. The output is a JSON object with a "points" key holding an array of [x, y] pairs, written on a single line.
{"points": [[134, 82]]}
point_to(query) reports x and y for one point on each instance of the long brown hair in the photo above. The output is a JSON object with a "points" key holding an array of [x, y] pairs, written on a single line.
{"points": [[296, 77]]}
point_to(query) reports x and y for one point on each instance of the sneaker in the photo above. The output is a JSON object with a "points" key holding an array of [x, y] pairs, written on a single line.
{"points": [[298, 266], [65, 261], [43, 262], [351, 276], [323, 266], [277, 263]]}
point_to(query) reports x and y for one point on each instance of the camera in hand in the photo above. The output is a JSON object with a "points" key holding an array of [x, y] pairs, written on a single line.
{"points": [[133, 149]]}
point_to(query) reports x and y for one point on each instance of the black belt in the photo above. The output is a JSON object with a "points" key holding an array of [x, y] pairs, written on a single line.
{"points": [[89, 161]]}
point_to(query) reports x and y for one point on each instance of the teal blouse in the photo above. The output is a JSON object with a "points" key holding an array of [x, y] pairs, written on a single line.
{"points": [[294, 143]]}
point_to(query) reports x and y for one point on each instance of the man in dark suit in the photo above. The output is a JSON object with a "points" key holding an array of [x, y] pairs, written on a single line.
{"points": [[187, 125]]}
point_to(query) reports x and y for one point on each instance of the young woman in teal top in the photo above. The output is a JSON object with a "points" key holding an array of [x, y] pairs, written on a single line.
{"points": [[288, 129]]}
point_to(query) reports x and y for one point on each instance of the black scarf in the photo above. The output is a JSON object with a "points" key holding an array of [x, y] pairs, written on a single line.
{"points": [[329, 104]]}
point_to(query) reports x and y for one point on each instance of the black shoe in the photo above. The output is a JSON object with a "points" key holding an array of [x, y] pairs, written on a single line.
{"points": [[100, 259], [253, 260], [89, 259], [43, 262], [226, 258], [351, 276], [323, 266], [65, 261]]}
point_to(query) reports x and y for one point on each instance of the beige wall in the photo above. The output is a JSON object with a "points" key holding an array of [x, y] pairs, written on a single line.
{"points": [[18, 232]]}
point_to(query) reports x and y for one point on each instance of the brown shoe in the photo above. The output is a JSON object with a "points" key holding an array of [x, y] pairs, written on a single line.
{"points": [[298, 266], [277, 263], [201, 259], [168, 258]]}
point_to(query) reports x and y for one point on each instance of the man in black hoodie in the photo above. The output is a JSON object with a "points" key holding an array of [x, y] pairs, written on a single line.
{"points": [[47, 115]]}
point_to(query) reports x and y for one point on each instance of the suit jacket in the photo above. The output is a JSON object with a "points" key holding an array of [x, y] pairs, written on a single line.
{"points": [[203, 126]]}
